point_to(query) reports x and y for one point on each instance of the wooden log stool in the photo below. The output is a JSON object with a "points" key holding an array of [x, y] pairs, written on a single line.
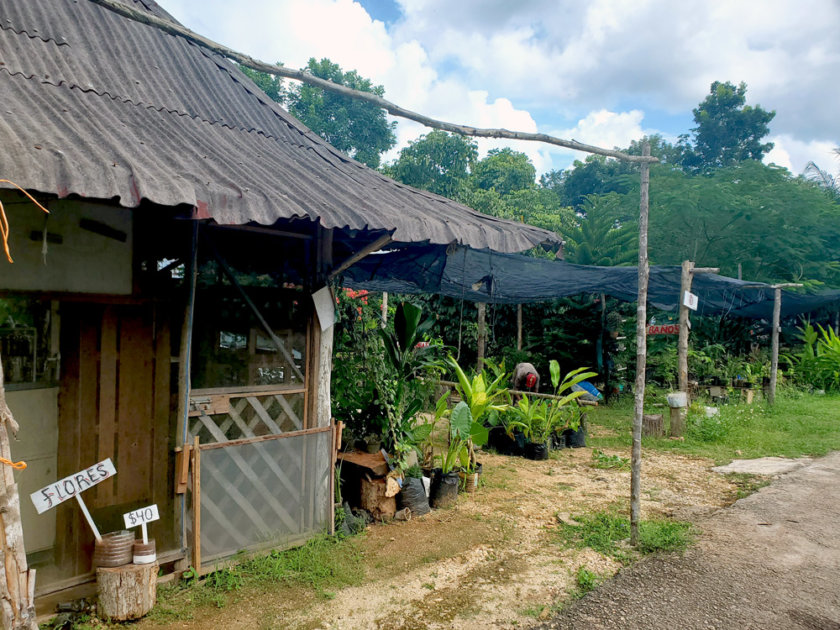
{"points": [[127, 592], [653, 425]]}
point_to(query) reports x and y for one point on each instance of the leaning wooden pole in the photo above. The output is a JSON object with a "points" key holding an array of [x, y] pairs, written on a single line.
{"points": [[17, 581], [641, 351]]}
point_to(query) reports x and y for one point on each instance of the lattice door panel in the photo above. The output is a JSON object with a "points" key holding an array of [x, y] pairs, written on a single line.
{"points": [[247, 416], [271, 493]]}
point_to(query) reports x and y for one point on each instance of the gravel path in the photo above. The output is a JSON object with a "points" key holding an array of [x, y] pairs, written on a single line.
{"points": [[772, 560]]}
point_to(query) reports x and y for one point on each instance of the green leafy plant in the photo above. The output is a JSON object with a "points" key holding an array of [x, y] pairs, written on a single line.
{"points": [[464, 435], [818, 362], [485, 394], [607, 462]]}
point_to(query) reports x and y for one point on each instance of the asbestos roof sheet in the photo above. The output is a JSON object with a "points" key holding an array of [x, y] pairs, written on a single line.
{"points": [[103, 107]]}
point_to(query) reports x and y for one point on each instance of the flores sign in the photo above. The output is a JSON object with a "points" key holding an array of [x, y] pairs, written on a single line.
{"points": [[72, 486], [663, 329]]}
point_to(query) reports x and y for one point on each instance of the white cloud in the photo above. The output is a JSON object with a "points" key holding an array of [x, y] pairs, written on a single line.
{"points": [[547, 65], [795, 154]]}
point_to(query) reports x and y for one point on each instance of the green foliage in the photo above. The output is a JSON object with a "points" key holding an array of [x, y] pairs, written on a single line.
{"points": [[817, 364], [271, 84], [606, 533], [599, 238], [586, 581], [608, 462], [438, 161], [486, 393], [728, 131], [464, 434], [358, 128], [505, 171]]}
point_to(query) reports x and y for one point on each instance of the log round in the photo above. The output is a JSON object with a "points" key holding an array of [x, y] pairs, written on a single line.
{"points": [[127, 592]]}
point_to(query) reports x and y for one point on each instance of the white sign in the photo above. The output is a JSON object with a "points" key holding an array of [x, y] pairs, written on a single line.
{"points": [[690, 300], [69, 487], [141, 516], [325, 307]]}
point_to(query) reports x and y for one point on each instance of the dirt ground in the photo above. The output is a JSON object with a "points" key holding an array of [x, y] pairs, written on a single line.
{"points": [[491, 561], [769, 561]]}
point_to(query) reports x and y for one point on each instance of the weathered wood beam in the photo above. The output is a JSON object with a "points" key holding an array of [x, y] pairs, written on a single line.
{"points": [[774, 346], [393, 109]]}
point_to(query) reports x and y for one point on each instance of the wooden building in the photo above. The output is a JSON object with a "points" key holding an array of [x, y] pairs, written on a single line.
{"points": [[166, 299]]}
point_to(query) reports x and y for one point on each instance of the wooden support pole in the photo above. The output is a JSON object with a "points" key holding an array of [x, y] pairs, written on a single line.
{"points": [[519, 327], [686, 278], [384, 309], [17, 581], [774, 352], [196, 505], [774, 344], [641, 351], [482, 335]]}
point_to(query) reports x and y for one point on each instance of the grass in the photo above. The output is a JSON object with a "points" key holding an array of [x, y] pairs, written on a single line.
{"points": [[320, 566], [799, 424], [608, 534], [746, 484]]}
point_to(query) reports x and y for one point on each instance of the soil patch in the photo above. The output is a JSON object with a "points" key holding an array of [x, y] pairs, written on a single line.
{"points": [[494, 560]]}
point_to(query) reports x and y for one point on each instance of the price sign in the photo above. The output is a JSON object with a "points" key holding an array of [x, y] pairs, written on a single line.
{"points": [[141, 516]]}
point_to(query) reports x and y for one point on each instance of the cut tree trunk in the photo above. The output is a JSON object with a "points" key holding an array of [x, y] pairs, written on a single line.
{"points": [[374, 499], [127, 592], [17, 582], [653, 425]]}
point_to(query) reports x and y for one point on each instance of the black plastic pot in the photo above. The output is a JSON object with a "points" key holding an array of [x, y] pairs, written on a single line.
{"points": [[575, 439], [444, 491], [536, 450], [413, 496], [558, 440]]}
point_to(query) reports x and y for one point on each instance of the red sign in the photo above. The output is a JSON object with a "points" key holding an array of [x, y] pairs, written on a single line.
{"points": [[664, 329]]}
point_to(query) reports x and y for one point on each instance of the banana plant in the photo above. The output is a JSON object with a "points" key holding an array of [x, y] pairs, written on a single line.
{"points": [[485, 395]]}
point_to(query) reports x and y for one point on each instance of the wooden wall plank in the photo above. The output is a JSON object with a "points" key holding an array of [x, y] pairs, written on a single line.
{"points": [[107, 399], [134, 419], [163, 460]]}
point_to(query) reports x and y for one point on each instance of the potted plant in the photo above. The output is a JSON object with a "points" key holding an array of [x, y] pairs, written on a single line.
{"points": [[464, 434]]}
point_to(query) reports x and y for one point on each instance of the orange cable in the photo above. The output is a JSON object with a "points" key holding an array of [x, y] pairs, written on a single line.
{"points": [[16, 465], [4, 223]]}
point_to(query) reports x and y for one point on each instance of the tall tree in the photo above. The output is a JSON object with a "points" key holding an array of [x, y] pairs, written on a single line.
{"points": [[599, 238], [505, 171], [359, 129], [438, 161], [728, 130]]}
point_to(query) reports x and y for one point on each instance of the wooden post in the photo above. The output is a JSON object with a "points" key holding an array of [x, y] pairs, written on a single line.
{"points": [[641, 351], [519, 327], [682, 344], [482, 335], [196, 505], [686, 278], [384, 309], [17, 581], [774, 345]]}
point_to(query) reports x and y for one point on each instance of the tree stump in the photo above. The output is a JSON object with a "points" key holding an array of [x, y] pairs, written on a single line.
{"points": [[653, 425], [677, 421], [127, 592], [375, 499]]}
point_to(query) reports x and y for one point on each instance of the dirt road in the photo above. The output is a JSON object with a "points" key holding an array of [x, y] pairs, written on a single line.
{"points": [[772, 560]]}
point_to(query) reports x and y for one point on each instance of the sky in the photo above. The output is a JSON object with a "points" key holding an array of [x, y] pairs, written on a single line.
{"points": [[603, 72]]}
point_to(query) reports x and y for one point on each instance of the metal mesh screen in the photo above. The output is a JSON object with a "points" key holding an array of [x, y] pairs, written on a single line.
{"points": [[264, 494]]}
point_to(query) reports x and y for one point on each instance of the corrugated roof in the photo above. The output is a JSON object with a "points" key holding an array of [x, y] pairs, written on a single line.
{"points": [[104, 107]]}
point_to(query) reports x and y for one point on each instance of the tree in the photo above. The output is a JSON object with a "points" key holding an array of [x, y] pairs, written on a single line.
{"points": [[505, 171], [357, 128], [599, 238], [271, 84], [728, 131], [438, 161]]}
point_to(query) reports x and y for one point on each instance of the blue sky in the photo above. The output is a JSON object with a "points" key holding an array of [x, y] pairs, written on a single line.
{"points": [[603, 72]]}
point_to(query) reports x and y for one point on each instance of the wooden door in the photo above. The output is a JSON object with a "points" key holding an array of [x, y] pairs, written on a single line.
{"points": [[114, 401]]}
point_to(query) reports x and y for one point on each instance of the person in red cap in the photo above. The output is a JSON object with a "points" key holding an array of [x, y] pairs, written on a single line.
{"points": [[525, 379]]}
